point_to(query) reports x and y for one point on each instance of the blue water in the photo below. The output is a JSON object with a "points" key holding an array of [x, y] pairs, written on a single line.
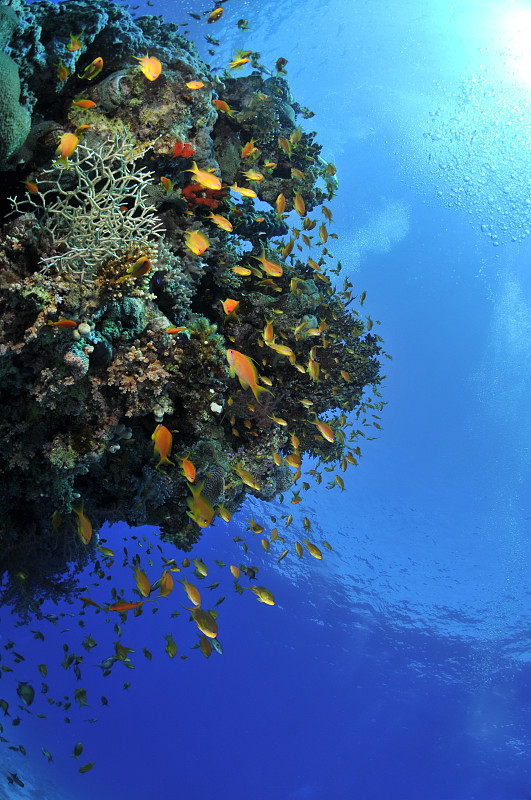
{"points": [[399, 666]]}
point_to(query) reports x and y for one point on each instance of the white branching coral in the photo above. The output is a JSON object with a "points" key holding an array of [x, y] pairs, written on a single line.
{"points": [[97, 208]]}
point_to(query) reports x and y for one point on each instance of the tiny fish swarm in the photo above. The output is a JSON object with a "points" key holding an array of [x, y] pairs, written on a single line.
{"points": [[159, 361]]}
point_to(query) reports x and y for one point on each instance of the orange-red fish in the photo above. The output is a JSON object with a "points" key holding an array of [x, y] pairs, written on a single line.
{"points": [[63, 323], [31, 187], [249, 149], [67, 144], [84, 103], [280, 204], [324, 429], [194, 85], [93, 69], [272, 269], [243, 367], [230, 308], [123, 605], [298, 204], [162, 439], [188, 468], [174, 331], [221, 105], [150, 67]]}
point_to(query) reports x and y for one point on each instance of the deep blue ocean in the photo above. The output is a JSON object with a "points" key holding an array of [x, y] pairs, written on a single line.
{"points": [[399, 666]]}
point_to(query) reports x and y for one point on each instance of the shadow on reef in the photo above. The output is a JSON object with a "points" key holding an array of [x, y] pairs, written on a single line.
{"points": [[139, 280]]}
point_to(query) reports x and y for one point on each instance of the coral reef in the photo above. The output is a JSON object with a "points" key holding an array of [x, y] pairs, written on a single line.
{"points": [[112, 321]]}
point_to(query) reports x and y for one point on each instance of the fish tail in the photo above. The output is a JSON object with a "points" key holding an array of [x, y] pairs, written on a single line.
{"points": [[257, 390], [164, 460]]}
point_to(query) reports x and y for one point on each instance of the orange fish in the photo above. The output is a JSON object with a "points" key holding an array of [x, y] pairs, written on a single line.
{"points": [[84, 528], [238, 63], [243, 271], [280, 205], [298, 204], [196, 242], [142, 266], [31, 187], [63, 323], [162, 439], [243, 367], [123, 605], [221, 222], [215, 15], [194, 85], [62, 71], [201, 510], [243, 190], [192, 592], [174, 331], [142, 581], [324, 429], [166, 183], [188, 469], [84, 103], [75, 43], [67, 144], [272, 269], [166, 584], [150, 67], [230, 307], [253, 175], [221, 105], [284, 145], [205, 622], [93, 69], [81, 130], [204, 178], [249, 149]]}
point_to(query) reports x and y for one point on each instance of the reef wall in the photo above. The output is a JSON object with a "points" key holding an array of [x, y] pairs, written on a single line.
{"points": [[144, 284]]}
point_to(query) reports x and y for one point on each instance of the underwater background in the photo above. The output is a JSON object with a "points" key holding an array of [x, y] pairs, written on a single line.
{"points": [[398, 665]]}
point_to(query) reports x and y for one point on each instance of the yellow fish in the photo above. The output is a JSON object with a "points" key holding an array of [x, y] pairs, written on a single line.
{"points": [[196, 242], [84, 528], [243, 367], [201, 510], [206, 179], [150, 67], [243, 190]]}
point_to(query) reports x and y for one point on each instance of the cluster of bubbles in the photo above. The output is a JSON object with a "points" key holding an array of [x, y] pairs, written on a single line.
{"points": [[478, 141]]}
